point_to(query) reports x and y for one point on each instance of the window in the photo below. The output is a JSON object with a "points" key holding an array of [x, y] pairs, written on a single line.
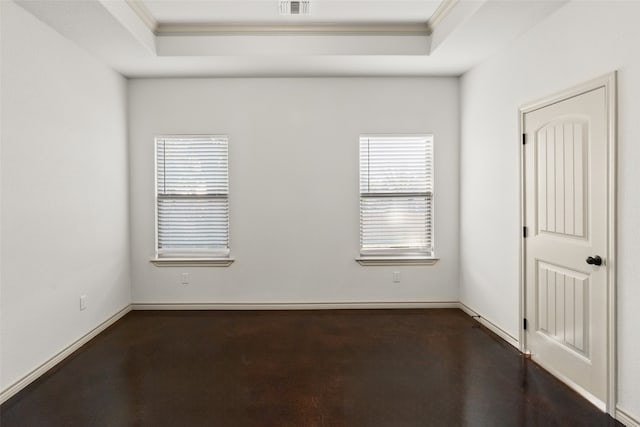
{"points": [[396, 196], [192, 197]]}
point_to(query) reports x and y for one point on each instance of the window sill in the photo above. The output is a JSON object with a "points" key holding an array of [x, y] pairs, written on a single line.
{"points": [[396, 260], [192, 262]]}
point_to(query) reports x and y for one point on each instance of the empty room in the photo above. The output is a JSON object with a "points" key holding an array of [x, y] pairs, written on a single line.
{"points": [[319, 213]]}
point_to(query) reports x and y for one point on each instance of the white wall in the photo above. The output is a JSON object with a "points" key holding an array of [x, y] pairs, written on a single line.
{"points": [[294, 185], [581, 41], [64, 220]]}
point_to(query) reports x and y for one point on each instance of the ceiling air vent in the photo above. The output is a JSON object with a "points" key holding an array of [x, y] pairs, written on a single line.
{"points": [[294, 7]]}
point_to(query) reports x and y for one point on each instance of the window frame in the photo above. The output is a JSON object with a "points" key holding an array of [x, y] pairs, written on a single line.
{"points": [[398, 256], [190, 257]]}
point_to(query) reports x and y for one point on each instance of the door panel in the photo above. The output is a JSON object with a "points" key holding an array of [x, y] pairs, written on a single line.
{"points": [[563, 308], [566, 200], [562, 164]]}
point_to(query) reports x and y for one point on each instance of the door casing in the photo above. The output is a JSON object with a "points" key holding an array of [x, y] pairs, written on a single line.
{"points": [[608, 82]]}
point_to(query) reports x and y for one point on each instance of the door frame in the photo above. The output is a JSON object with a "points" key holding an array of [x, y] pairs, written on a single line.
{"points": [[608, 82]]}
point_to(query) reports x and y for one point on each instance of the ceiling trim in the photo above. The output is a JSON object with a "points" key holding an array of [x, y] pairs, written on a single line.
{"points": [[144, 14], [442, 11], [186, 29], [293, 29]]}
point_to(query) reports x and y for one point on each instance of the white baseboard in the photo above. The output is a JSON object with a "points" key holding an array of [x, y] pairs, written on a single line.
{"points": [[514, 342], [293, 305], [10, 391], [13, 389], [578, 389], [626, 419], [490, 325]]}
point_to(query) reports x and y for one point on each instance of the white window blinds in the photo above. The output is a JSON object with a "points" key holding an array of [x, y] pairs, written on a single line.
{"points": [[396, 195], [192, 181]]}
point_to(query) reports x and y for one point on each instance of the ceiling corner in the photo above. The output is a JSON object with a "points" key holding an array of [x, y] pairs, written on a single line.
{"points": [[144, 14]]}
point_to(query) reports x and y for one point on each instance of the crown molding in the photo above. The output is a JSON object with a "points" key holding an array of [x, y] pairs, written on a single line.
{"points": [[443, 10], [411, 29], [240, 28], [144, 14]]}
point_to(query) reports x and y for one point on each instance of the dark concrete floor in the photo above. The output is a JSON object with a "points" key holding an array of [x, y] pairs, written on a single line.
{"points": [[298, 368]]}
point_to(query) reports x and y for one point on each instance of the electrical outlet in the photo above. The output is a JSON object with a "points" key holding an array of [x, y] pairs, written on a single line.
{"points": [[83, 302], [396, 277], [185, 278]]}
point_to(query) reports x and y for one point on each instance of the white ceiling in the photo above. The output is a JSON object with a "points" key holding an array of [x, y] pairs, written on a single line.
{"points": [[267, 11], [171, 38]]}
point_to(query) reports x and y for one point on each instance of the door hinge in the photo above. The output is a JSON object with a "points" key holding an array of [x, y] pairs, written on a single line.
{"points": [[524, 232], [524, 324], [524, 138]]}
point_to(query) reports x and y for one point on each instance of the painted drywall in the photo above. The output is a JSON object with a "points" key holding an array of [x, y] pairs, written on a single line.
{"points": [[294, 208], [1, 118], [581, 41], [64, 220]]}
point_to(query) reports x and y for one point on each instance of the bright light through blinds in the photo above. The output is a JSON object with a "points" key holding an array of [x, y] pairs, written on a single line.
{"points": [[396, 195], [192, 179]]}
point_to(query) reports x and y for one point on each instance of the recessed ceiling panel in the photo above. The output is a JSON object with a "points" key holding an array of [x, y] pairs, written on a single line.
{"points": [[267, 11], [129, 41]]}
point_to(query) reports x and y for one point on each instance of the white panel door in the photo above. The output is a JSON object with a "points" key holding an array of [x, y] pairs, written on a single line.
{"points": [[566, 205]]}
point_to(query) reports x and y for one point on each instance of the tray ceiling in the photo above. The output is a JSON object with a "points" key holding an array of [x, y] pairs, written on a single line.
{"points": [[267, 11], [225, 38]]}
